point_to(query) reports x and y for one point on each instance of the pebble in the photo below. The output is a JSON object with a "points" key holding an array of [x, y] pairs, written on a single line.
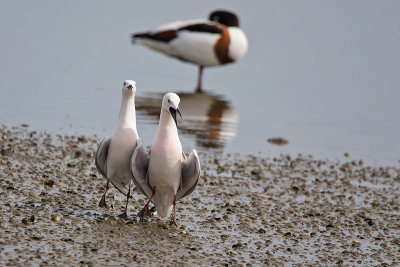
{"points": [[278, 141], [261, 231], [48, 182], [238, 245], [56, 218]]}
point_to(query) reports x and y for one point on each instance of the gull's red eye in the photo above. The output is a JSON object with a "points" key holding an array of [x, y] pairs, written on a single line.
{"points": [[169, 101], [124, 83]]}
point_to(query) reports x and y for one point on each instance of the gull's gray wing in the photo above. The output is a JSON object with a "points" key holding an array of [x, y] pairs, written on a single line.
{"points": [[100, 157], [139, 167], [190, 175]]}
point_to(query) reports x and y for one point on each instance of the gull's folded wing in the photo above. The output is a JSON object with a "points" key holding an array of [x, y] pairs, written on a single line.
{"points": [[190, 175], [100, 158], [139, 167]]}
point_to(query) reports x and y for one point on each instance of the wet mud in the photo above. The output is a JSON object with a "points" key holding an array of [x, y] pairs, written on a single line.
{"points": [[247, 210]]}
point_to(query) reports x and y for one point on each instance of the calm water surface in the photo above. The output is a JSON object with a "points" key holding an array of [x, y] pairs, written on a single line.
{"points": [[323, 75]]}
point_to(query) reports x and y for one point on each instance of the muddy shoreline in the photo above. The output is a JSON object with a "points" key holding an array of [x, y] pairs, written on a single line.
{"points": [[246, 210]]}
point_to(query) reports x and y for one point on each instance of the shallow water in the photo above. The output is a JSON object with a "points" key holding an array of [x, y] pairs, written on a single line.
{"points": [[208, 119], [324, 76]]}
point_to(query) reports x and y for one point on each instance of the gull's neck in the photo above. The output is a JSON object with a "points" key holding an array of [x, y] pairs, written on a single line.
{"points": [[167, 126], [127, 113]]}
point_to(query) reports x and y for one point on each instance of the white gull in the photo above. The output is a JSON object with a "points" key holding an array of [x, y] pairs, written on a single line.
{"points": [[113, 155], [165, 175]]}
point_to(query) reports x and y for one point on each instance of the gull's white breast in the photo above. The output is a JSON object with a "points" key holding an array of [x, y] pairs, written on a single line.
{"points": [[165, 174], [123, 141]]}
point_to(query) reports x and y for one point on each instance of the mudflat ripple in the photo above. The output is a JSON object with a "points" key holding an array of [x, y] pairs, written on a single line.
{"points": [[246, 210]]}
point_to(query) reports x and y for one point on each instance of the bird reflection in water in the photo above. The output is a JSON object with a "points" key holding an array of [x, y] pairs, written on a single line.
{"points": [[207, 118]]}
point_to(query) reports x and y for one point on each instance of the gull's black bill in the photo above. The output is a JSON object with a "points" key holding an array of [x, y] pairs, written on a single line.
{"points": [[173, 113]]}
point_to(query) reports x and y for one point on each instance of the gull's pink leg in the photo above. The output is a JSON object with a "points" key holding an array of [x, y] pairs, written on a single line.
{"points": [[124, 215], [174, 220], [102, 202], [145, 212]]}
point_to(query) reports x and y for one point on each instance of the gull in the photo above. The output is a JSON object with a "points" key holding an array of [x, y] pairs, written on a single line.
{"points": [[112, 158], [213, 42], [165, 175]]}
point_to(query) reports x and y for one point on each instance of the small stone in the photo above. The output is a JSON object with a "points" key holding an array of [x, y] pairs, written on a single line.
{"points": [[56, 218], [78, 154], [278, 141], [396, 241], [347, 154], [238, 245], [48, 182], [261, 231], [82, 139], [295, 188], [224, 237], [375, 204], [25, 221], [369, 221]]}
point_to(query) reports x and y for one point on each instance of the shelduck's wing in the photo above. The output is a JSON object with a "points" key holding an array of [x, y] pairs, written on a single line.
{"points": [[170, 31]]}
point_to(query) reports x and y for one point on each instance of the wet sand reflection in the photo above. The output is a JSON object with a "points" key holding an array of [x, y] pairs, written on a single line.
{"points": [[209, 119]]}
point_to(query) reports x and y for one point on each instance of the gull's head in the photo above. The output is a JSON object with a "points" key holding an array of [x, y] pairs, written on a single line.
{"points": [[171, 104], [129, 86]]}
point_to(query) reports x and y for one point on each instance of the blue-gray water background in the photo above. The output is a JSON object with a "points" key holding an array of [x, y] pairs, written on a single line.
{"points": [[324, 75]]}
